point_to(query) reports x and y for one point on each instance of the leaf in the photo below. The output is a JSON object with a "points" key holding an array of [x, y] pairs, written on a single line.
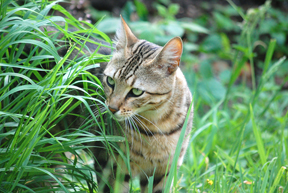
{"points": [[264, 183], [224, 22], [127, 11], [141, 10], [20, 88], [280, 37], [190, 47], [173, 8], [212, 88], [277, 179], [225, 43], [258, 137], [109, 25], [174, 29], [190, 26], [162, 11], [212, 43], [147, 35], [206, 69], [173, 169], [51, 175]]}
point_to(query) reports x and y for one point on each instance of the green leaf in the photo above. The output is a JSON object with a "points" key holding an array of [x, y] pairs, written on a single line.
{"points": [[141, 10], [190, 26], [162, 11], [190, 47], [127, 10], [212, 43], [109, 25], [258, 138], [277, 179], [174, 29], [224, 22], [173, 169], [173, 8], [280, 37]]}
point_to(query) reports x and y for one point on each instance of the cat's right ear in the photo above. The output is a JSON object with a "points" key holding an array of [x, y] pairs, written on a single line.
{"points": [[124, 35], [169, 56]]}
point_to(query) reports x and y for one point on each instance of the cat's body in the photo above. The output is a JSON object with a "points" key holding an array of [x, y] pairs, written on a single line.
{"points": [[148, 94]]}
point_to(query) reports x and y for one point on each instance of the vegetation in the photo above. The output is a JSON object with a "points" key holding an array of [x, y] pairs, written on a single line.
{"points": [[35, 95], [239, 139]]}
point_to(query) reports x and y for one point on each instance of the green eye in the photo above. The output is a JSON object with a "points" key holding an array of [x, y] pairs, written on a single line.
{"points": [[137, 92], [110, 81]]}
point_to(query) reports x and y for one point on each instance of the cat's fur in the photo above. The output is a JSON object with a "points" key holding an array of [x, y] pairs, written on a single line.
{"points": [[158, 114]]}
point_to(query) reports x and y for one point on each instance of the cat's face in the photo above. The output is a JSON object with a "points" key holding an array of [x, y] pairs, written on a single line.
{"points": [[140, 76]]}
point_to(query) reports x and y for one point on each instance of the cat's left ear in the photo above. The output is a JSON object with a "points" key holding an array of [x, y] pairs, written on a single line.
{"points": [[169, 56], [125, 36]]}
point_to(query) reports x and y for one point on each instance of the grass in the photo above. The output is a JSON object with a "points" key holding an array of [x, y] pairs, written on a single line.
{"points": [[240, 144], [239, 139], [35, 95]]}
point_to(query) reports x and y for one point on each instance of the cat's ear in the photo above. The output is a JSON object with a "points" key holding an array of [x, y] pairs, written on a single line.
{"points": [[124, 35], [169, 56]]}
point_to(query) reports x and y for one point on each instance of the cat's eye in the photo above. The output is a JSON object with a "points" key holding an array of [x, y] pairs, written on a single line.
{"points": [[137, 92], [110, 81]]}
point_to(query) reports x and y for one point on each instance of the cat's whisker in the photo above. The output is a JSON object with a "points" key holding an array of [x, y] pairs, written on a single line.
{"points": [[143, 125], [154, 125], [169, 100], [128, 129], [139, 121], [131, 130], [150, 122], [138, 131], [136, 118], [96, 112]]}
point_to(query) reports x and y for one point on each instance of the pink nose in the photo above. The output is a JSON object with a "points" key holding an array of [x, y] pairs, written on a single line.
{"points": [[113, 110]]}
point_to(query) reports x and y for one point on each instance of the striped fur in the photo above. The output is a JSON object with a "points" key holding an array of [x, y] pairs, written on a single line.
{"points": [[152, 121]]}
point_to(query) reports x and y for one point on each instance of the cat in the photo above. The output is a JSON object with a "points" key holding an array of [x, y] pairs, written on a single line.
{"points": [[147, 93]]}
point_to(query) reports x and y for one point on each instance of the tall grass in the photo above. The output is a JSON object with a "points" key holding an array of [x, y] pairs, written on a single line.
{"points": [[38, 89]]}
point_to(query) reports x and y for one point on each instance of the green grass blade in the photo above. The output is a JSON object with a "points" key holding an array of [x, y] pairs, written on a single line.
{"points": [[277, 179], [258, 138], [177, 151], [267, 173]]}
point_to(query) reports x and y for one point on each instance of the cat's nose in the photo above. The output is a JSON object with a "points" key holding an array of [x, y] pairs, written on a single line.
{"points": [[113, 110]]}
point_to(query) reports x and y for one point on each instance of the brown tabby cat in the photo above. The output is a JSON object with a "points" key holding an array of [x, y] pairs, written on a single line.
{"points": [[148, 94]]}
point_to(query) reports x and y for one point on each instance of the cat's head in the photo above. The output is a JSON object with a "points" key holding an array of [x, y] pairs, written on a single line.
{"points": [[141, 75]]}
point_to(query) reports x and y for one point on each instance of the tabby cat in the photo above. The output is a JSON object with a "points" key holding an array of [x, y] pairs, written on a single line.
{"points": [[148, 94]]}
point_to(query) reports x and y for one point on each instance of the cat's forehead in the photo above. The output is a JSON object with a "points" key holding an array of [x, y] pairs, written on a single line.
{"points": [[144, 48], [124, 65]]}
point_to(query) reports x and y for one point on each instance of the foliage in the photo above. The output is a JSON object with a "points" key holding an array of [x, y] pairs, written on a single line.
{"points": [[36, 85], [159, 32], [239, 138]]}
